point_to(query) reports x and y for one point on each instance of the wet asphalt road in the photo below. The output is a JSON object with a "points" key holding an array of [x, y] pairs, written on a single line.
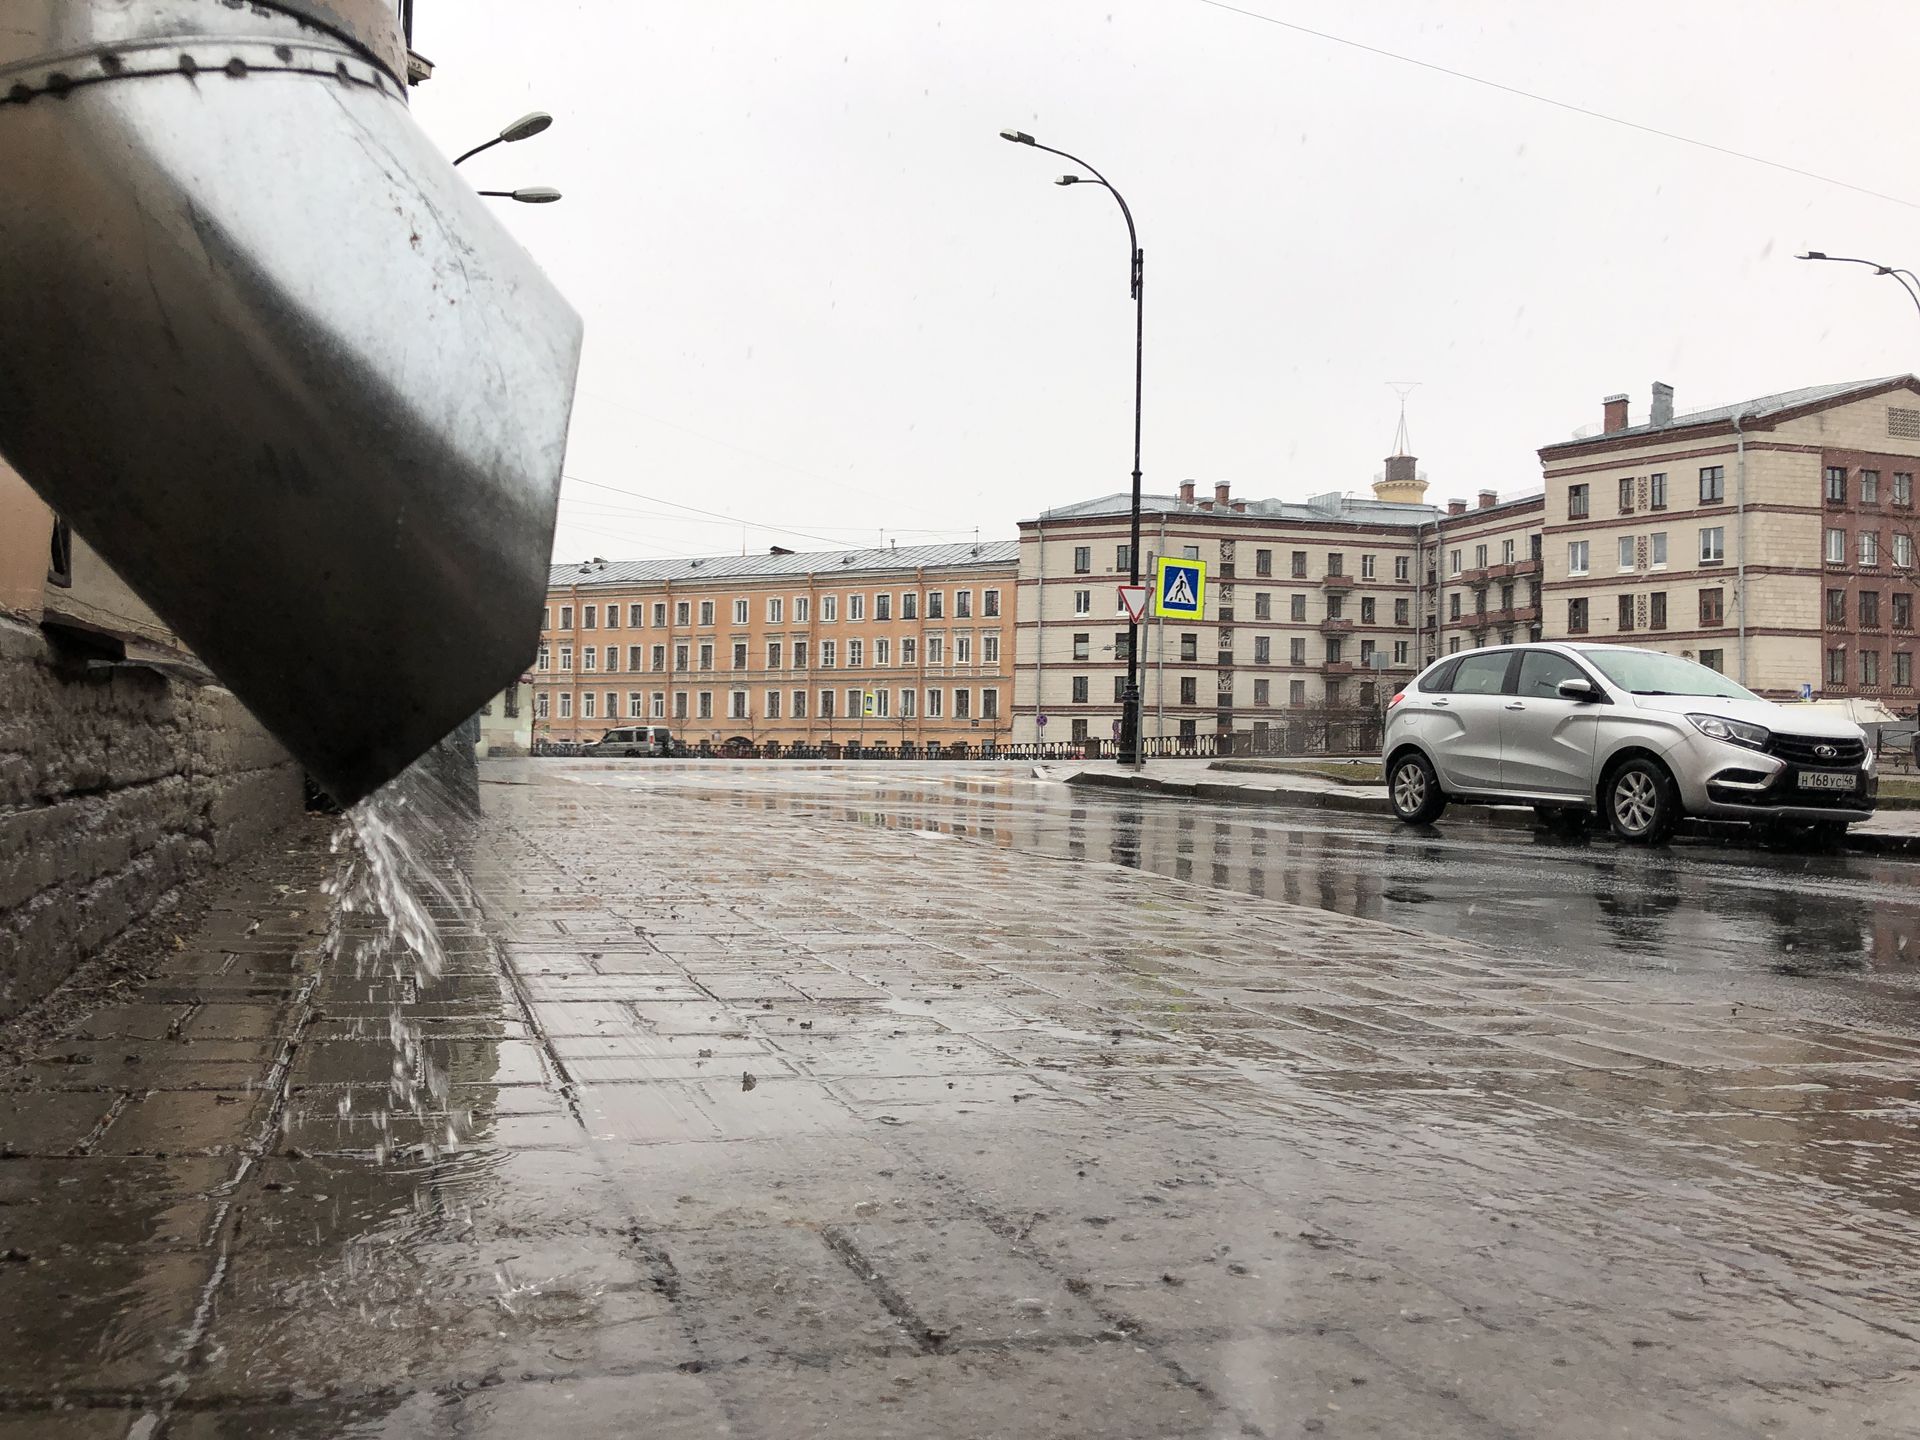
{"points": [[1832, 931]]}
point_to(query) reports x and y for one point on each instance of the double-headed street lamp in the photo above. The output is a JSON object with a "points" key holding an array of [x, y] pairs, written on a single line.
{"points": [[1131, 749], [525, 128], [1906, 279]]}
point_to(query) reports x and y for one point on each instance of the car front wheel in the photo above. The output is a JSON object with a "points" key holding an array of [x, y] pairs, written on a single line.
{"points": [[1642, 806], [1415, 790]]}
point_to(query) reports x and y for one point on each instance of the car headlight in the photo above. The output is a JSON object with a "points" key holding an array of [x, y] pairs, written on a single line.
{"points": [[1734, 732]]}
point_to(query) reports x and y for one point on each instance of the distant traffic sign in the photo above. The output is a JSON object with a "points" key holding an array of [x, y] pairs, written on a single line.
{"points": [[1133, 600], [1041, 721], [1180, 588], [867, 705], [1806, 690]]}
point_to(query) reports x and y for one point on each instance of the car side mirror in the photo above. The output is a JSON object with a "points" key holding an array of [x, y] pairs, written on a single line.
{"points": [[1577, 689]]}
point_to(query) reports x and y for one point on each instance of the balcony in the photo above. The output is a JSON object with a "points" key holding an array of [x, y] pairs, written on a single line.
{"points": [[1503, 572], [1336, 668], [1475, 577], [1337, 582], [1530, 566], [1336, 625]]}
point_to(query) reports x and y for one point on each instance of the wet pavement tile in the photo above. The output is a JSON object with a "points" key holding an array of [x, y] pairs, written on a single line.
{"points": [[96, 1322], [172, 1122], [34, 1122], [72, 1422], [657, 1407]]}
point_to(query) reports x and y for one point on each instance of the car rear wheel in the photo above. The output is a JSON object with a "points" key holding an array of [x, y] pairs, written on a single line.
{"points": [[1415, 790], [1642, 804]]}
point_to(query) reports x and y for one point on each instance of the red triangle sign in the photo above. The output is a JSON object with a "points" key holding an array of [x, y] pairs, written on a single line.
{"points": [[1133, 600]]}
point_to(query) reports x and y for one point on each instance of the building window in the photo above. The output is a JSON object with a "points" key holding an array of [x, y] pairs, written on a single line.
{"points": [[1869, 547], [683, 612], [1902, 610], [1836, 667], [1714, 660], [1479, 557], [883, 607], [736, 704], [1336, 563], [829, 609], [1869, 667], [989, 603], [586, 705], [1713, 607], [936, 605], [1403, 565], [1263, 562], [1869, 609], [1296, 692], [1836, 547], [1576, 558], [962, 704], [1869, 487], [1082, 645], [636, 705], [1577, 617], [636, 657], [774, 651], [1262, 649], [706, 655], [1082, 564], [703, 705], [566, 706], [1902, 488], [657, 705], [963, 604], [1836, 607], [1656, 492], [1577, 502], [1903, 669], [1626, 612], [1119, 688], [1626, 552], [659, 613], [1836, 485], [855, 704], [856, 607], [611, 660], [936, 649], [989, 704], [1626, 496], [1080, 683], [1189, 647], [1402, 611], [1122, 644], [1299, 564], [589, 658], [1657, 610], [1903, 551], [1189, 690], [1368, 608], [1123, 562], [1657, 550], [799, 710], [1713, 545], [1366, 567], [1453, 606], [829, 654], [826, 704], [856, 654], [773, 705], [1713, 484], [739, 612], [566, 617], [566, 657], [540, 704], [739, 654], [544, 662], [1083, 602], [659, 658], [1297, 607], [990, 648], [680, 657], [1263, 605], [1297, 650], [1402, 650], [883, 651], [1262, 692]]}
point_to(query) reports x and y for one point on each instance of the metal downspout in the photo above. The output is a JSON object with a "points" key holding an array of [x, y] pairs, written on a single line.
{"points": [[1740, 536]]}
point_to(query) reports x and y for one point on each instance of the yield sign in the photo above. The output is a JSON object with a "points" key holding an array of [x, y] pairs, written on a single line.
{"points": [[1133, 600]]}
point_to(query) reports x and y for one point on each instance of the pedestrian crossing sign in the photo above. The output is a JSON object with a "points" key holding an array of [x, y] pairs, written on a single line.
{"points": [[867, 707], [1180, 588]]}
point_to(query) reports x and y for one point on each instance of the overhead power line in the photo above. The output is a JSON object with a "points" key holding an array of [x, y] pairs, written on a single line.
{"points": [[1567, 105]]}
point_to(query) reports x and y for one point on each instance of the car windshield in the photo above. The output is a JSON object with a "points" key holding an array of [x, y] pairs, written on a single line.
{"points": [[1646, 673]]}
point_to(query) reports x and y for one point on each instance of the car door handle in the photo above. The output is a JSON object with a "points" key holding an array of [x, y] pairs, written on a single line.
{"points": [[1515, 705], [1441, 704]]}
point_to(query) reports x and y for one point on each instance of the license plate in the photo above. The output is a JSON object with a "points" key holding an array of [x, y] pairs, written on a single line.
{"points": [[1828, 780]]}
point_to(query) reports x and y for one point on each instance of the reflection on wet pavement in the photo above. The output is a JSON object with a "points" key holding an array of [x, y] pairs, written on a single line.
{"points": [[766, 1108]]}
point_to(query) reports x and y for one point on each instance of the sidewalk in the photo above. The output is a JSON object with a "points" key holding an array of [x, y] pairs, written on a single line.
{"points": [[1890, 832], [723, 1120]]}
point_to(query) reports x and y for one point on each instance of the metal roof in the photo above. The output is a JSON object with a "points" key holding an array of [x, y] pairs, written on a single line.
{"points": [[807, 562], [1761, 408], [1339, 509]]}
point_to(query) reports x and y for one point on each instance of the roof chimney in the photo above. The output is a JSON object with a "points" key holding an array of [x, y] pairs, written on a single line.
{"points": [[1220, 494], [1186, 492], [778, 550], [1662, 413], [1456, 507], [1613, 412], [1488, 499], [1239, 507]]}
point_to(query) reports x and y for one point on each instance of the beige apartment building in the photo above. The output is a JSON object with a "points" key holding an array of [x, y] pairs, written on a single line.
{"points": [[1772, 540], [911, 645], [1482, 574], [1308, 607]]}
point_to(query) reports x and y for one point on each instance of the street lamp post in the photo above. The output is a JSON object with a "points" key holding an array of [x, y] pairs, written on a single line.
{"points": [[1906, 279], [1131, 749], [525, 128]]}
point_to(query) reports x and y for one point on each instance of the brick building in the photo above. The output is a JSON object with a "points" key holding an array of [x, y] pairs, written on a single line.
{"points": [[907, 645], [1772, 539]]}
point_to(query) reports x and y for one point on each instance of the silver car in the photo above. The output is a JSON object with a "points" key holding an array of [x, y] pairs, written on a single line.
{"points": [[1640, 736]]}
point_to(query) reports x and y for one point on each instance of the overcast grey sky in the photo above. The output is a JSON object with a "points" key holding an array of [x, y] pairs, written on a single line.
{"points": [[820, 293]]}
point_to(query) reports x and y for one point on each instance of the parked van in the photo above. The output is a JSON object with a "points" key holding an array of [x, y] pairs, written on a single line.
{"points": [[634, 740]]}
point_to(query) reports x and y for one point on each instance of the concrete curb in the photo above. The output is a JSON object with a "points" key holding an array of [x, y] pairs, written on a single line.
{"points": [[1507, 817]]}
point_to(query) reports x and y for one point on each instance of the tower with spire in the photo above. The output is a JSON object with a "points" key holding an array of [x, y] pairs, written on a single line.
{"points": [[1402, 482]]}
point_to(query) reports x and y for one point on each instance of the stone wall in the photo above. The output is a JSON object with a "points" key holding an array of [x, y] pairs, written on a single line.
{"points": [[118, 784]]}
